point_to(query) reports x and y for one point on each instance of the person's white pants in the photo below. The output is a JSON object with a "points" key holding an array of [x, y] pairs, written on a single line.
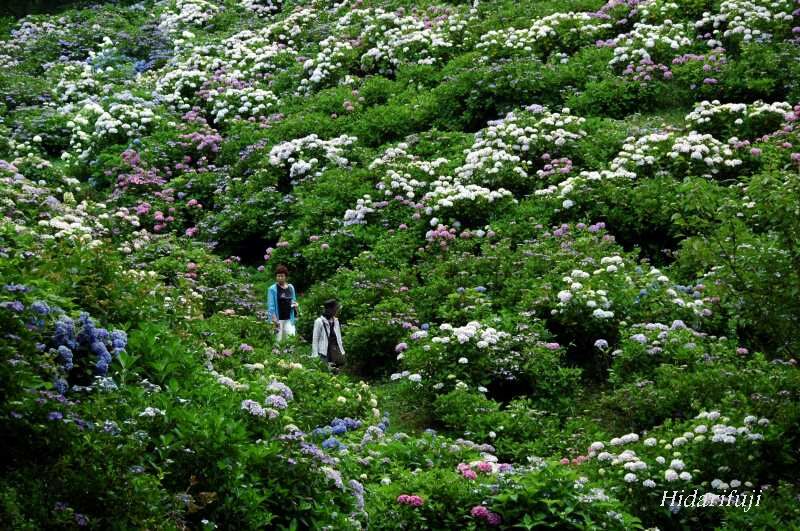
{"points": [[285, 329]]}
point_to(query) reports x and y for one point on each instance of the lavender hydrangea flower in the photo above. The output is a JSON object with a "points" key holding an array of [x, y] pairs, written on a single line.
{"points": [[13, 305], [358, 493], [254, 408], [16, 288], [315, 452], [276, 401], [281, 389], [334, 476]]}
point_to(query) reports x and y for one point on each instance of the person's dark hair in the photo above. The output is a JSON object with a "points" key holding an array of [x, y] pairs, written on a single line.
{"points": [[281, 269], [331, 305]]}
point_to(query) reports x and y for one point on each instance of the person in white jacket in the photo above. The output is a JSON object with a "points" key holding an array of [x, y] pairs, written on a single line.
{"points": [[327, 340]]}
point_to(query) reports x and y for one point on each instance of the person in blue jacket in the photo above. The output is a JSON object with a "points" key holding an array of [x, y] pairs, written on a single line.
{"points": [[282, 304]]}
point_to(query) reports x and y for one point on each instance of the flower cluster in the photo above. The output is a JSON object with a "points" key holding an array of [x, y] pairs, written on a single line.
{"points": [[392, 39], [746, 20], [357, 216], [92, 125], [302, 155], [482, 513], [241, 103], [450, 194], [89, 339], [410, 499], [262, 7], [326, 64], [650, 468], [559, 31], [738, 119], [187, 12], [281, 389], [504, 154], [653, 43], [255, 409]]}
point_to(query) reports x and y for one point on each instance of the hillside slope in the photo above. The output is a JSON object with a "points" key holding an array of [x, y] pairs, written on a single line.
{"points": [[565, 236]]}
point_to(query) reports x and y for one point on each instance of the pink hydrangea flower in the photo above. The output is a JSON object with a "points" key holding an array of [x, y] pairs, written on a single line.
{"points": [[479, 511], [410, 499]]}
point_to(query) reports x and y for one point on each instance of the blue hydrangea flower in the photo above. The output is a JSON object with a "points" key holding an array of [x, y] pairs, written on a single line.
{"points": [[40, 307], [331, 443], [65, 333], [321, 432], [352, 424], [119, 340], [61, 386], [66, 355], [102, 335], [103, 357], [87, 334]]}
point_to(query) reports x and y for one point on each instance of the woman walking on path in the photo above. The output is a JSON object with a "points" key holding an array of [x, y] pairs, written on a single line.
{"points": [[282, 304], [327, 340]]}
